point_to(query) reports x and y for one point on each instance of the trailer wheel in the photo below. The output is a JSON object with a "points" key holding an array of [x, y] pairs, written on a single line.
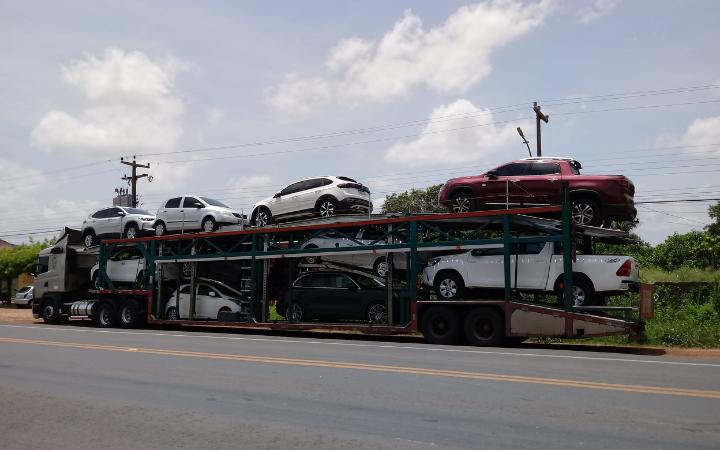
{"points": [[484, 327], [50, 311], [104, 315], [128, 315], [441, 325]]}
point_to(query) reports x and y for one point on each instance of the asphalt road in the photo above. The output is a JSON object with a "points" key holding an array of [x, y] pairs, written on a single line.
{"points": [[84, 388]]}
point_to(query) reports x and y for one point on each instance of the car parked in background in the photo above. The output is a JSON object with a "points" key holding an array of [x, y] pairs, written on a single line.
{"points": [[315, 196], [334, 295], [125, 265], [539, 269], [24, 297], [538, 181], [195, 213], [211, 299], [116, 222], [362, 237]]}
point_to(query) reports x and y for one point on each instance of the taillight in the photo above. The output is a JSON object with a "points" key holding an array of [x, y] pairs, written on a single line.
{"points": [[625, 269]]}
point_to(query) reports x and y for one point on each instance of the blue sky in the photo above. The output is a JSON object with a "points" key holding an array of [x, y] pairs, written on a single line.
{"points": [[420, 85]]}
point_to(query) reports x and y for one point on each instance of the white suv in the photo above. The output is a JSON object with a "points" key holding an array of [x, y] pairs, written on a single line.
{"points": [[194, 213], [116, 222], [322, 196]]}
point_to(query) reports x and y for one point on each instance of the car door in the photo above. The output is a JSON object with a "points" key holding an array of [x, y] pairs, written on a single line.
{"points": [[129, 265], [533, 264], [305, 293], [106, 222], [191, 214], [310, 193], [540, 184], [285, 201], [206, 302], [113, 265], [499, 187], [485, 267], [170, 214], [183, 300]]}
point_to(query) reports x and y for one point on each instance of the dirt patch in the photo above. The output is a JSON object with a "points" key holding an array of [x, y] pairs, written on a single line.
{"points": [[13, 314]]}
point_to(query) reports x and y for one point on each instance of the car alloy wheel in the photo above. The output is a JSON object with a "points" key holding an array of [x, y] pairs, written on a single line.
{"points": [[89, 240], [172, 313], [461, 203], [160, 229], [327, 208], [582, 214], [381, 267], [294, 313], [377, 313], [448, 288], [262, 218], [579, 296]]}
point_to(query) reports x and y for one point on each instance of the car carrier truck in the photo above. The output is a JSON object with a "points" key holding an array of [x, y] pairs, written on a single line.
{"points": [[262, 262]]}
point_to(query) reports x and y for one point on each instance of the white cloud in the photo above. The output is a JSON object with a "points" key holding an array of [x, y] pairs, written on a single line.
{"points": [[449, 58], [472, 137], [215, 116], [20, 180], [599, 9], [132, 106], [703, 131]]}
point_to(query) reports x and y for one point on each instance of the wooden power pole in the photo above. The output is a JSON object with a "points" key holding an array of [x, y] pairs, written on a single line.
{"points": [[538, 117], [133, 179]]}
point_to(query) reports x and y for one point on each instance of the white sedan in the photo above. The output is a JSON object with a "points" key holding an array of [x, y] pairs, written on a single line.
{"points": [[211, 299]]}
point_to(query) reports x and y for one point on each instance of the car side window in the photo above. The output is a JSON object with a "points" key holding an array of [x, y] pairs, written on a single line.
{"points": [[203, 289], [293, 188], [325, 181], [533, 248], [190, 202], [173, 202], [544, 169], [492, 251], [99, 214], [372, 234], [305, 281], [312, 184], [343, 282], [513, 169], [114, 212]]}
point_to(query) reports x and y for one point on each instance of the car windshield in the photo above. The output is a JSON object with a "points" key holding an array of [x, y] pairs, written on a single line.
{"points": [[225, 291], [24, 289], [137, 211], [367, 282], [213, 202]]}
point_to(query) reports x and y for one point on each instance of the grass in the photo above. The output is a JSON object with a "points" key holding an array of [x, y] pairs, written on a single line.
{"points": [[683, 274]]}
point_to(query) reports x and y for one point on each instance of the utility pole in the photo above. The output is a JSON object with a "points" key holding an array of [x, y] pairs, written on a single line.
{"points": [[132, 180], [538, 117]]}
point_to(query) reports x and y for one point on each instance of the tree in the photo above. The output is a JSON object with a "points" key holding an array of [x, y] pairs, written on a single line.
{"points": [[18, 259], [714, 212], [414, 201]]}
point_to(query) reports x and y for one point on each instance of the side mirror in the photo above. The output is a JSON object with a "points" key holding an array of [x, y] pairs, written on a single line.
{"points": [[37, 269], [276, 195], [199, 205], [492, 175], [211, 294], [57, 250], [121, 213]]}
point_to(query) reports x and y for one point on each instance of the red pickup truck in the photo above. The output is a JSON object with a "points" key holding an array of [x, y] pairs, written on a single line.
{"points": [[538, 181]]}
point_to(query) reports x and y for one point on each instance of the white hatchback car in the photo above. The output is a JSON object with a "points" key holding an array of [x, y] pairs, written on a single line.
{"points": [[195, 213], [211, 299], [321, 196], [117, 222], [24, 297], [125, 265]]}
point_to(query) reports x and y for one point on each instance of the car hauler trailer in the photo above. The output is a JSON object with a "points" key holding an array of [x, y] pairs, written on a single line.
{"points": [[261, 263]]}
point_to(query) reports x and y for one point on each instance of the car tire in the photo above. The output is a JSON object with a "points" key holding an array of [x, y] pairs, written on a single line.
{"points": [[172, 314], [128, 315], [89, 239], [376, 313], [449, 286], [160, 228], [96, 281], [208, 225], [585, 211], [462, 202], [380, 267], [222, 310], [326, 207], [583, 293], [262, 217], [132, 231], [484, 327], [294, 313], [104, 315], [441, 325], [312, 259], [49, 311]]}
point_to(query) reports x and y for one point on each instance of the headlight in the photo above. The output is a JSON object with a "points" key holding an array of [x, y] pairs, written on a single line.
{"points": [[434, 261]]}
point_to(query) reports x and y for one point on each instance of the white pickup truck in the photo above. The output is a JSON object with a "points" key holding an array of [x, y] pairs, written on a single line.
{"points": [[539, 269]]}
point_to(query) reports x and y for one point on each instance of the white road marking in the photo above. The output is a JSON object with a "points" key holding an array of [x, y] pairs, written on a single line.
{"points": [[364, 345]]}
